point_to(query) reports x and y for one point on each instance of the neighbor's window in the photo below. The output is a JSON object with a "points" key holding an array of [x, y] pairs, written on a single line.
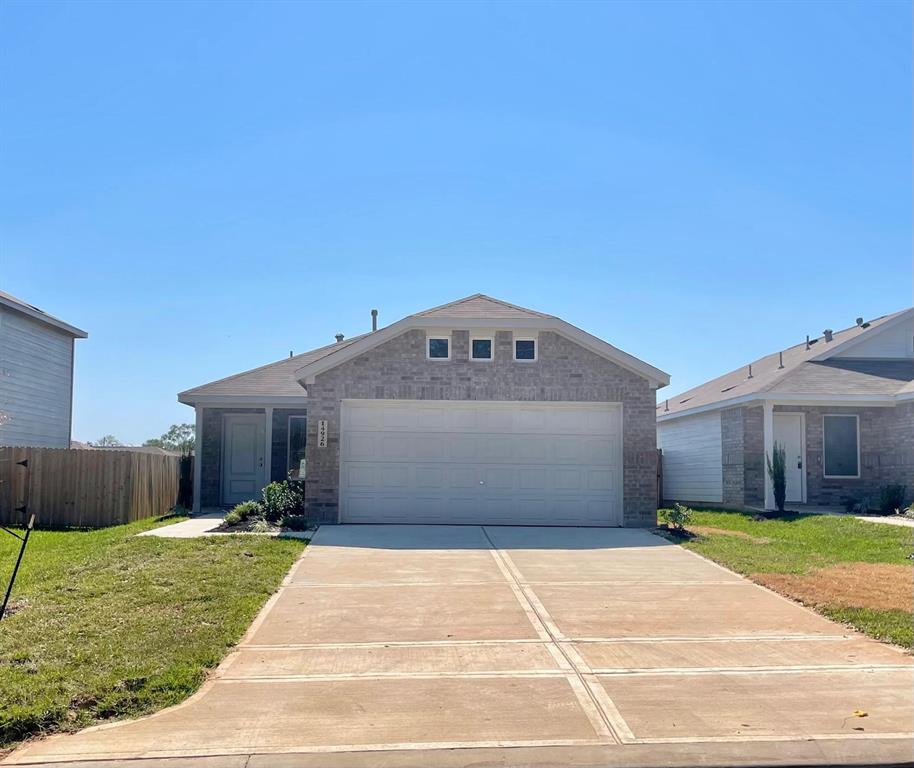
{"points": [[439, 348], [525, 349], [842, 455], [481, 349], [298, 429]]}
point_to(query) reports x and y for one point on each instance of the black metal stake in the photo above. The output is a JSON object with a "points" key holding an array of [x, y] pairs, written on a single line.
{"points": [[25, 541]]}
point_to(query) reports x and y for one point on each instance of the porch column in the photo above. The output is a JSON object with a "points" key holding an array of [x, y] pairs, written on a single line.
{"points": [[768, 432], [198, 458], [268, 448]]}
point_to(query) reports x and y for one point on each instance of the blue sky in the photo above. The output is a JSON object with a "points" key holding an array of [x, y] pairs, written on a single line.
{"points": [[204, 187]]}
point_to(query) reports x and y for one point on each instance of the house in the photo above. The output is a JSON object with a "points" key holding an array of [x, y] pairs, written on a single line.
{"points": [[477, 411], [841, 404], [36, 375]]}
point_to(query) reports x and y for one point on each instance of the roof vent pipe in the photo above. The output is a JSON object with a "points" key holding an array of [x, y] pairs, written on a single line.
{"points": [[859, 321], [339, 337], [374, 320], [828, 334]]}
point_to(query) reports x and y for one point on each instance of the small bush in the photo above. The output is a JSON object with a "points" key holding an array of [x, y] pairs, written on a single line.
{"points": [[281, 499], [294, 522], [891, 498], [678, 517]]}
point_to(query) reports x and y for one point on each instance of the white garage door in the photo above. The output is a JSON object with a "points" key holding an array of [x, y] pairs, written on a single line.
{"points": [[511, 463]]}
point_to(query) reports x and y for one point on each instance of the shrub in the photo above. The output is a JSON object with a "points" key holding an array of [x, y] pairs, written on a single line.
{"points": [[294, 522], [678, 517], [777, 471], [891, 498], [281, 499]]}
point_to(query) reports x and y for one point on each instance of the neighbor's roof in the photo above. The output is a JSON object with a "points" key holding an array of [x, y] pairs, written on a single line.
{"points": [[8, 300], [803, 373], [281, 379], [272, 380]]}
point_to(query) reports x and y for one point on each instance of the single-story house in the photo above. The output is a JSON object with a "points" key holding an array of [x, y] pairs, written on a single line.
{"points": [[475, 412], [841, 404], [37, 353]]}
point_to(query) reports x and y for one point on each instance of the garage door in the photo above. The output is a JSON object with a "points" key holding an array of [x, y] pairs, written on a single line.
{"points": [[511, 463]]}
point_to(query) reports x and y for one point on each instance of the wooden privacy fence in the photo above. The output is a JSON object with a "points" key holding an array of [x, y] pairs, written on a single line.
{"points": [[79, 488]]}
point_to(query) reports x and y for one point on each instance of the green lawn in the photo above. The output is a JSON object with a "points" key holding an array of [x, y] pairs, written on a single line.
{"points": [[853, 571], [113, 626]]}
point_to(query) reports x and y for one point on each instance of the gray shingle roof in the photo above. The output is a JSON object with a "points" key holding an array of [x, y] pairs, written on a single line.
{"points": [[8, 300], [275, 379], [799, 374]]}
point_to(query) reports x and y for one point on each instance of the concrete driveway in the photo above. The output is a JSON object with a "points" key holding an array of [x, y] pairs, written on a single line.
{"points": [[421, 645]]}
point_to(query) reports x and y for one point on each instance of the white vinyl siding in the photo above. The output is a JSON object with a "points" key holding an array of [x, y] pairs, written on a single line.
{"points": [[481, 463], [692, 458]]}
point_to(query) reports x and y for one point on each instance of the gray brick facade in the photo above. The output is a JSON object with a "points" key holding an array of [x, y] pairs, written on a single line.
{"points": [[886, 454], [564, 371]]}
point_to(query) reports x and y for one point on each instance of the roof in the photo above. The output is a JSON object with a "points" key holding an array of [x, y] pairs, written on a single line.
{"points": [[8, 300], [801, 371], [481, 307], [286, 379], [270, 381]]}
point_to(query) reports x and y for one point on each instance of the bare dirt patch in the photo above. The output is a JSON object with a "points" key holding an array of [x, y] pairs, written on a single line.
{"points": [[706, 530], [881, 586]]}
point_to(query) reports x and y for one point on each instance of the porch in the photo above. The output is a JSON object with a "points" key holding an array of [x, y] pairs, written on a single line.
{"points": [[242, 449]]}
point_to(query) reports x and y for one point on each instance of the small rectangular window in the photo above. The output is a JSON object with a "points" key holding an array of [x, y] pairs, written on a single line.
{"points": [[481, 349], [525, 349], [298, 431], [841, 446], [439, 348]]}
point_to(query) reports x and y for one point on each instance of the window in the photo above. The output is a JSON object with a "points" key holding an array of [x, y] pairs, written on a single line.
{"points": [[841, 446], [525, 349], [439, 348], [295, 450], [481, 348]]}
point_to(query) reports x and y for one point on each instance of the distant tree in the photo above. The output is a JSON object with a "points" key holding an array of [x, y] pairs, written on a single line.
{"points": [[179, 438], [108, 441]]}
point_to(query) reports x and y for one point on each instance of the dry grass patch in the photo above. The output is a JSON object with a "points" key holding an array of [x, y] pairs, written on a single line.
{"points": [[881, 586]]}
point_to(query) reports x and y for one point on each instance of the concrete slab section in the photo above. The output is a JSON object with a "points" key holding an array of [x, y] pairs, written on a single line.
{"points": [[257, 717], [392, 659], [801, 704], [399, 613], [386, 566], [850, 651], [662, 610], [654, 564]]}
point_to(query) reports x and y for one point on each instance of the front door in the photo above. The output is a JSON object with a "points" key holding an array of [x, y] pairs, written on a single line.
{"points": [[242, 457], [788, 431]]}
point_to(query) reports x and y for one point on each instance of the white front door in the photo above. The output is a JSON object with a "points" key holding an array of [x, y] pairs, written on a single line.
{"points": [[481, 463], [242, 457], [788, 431]]}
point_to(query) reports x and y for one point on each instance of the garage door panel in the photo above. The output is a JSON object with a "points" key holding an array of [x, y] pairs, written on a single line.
{"points": [[491, 463]]}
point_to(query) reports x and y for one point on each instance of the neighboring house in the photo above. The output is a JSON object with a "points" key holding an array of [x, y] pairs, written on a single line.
{"points": [[841, 404], [476, 412], [36, 375]]}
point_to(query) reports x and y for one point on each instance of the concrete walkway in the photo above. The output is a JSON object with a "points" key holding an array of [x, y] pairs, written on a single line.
{"points": [[457, 646]]}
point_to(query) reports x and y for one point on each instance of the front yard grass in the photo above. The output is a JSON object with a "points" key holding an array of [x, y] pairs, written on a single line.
{"points": [[108, 625], [852, 571]]}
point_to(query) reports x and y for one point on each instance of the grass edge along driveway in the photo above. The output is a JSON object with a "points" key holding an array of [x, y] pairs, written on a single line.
{"points": [[109, 626], [853, 571]]}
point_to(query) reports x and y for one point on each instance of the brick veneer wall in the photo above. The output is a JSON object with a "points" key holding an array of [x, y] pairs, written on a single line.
{"points": [[563, 371]]}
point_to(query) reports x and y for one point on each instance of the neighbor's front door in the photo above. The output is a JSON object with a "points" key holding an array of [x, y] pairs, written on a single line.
{"points": [[788, 431], [242, 457]]}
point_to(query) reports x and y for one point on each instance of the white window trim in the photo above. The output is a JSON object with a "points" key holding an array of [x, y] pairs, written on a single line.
{"points": [[491, 340], [528, 337], [450, 346], [856, 417], [289, 436]]}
